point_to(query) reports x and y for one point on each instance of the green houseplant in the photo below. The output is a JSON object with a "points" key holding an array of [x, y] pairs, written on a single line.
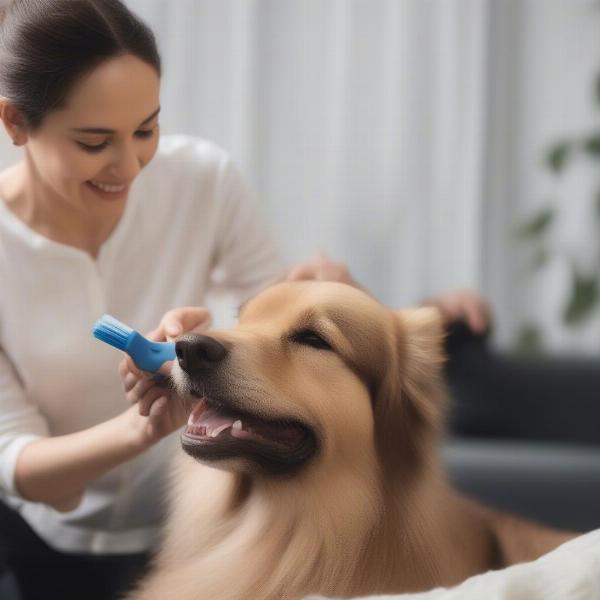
{"points": [[584, 294]]}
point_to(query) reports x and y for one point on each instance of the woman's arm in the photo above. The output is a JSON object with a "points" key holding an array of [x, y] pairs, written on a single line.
{"points": [[56, 470]]}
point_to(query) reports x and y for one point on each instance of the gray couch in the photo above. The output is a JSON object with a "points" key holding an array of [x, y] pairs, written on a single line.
{"points": [[524, 435]]}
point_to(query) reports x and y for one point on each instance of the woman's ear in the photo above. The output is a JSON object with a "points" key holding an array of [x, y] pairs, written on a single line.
{"points": [[14, 122]]}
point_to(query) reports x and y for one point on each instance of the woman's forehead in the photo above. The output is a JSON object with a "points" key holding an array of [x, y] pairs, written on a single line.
{"points": [[120, 93]]}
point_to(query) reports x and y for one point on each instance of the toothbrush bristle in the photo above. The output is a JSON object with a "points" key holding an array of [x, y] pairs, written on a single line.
{"points": [[113, 332]]}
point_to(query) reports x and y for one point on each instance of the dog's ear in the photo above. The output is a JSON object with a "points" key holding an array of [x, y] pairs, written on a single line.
{"points": [[420, 338], [410, 403]]}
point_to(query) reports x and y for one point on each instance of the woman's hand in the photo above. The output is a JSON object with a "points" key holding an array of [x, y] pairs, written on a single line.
{"points": [[321, 268], [157, 411], [463, 305]]}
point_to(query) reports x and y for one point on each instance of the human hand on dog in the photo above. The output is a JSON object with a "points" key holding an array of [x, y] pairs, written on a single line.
{"points": [[322, 268], [463, 305], [156, 410]]}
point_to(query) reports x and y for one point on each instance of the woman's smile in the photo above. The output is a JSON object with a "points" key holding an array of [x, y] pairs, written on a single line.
{"points": [[108, 191]]}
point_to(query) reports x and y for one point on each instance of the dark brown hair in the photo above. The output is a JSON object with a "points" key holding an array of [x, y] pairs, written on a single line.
{"points": [[46, 46]]}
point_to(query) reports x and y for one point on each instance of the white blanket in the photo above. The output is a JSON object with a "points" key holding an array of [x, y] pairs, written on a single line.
{"points": [[571, 572]]}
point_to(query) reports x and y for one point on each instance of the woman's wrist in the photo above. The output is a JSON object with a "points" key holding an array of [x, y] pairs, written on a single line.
{"points": [[133, 431]]}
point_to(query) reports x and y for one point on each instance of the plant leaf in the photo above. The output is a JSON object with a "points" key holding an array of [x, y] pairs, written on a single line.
{"points": [[539, 259], [583, 299], [557, 155], [529, 341], [592, 145], [537, 224]]}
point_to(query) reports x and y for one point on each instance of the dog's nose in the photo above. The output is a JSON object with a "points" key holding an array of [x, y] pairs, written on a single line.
{"points": [[199, 353]]}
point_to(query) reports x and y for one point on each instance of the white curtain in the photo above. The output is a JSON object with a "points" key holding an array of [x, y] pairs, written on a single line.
{"points": [[402, 136], [360, 123]]}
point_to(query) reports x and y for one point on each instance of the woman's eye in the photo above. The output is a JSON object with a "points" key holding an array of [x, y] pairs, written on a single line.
{"points": [[144, 133], [308, 337], [92, 148]]}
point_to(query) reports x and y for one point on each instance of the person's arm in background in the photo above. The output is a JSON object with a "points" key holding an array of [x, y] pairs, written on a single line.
{"points": [[460, 305], [248, 259]]}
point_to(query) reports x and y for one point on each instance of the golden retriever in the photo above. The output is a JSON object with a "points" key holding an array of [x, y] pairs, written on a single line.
{"points": [[311, 459]]}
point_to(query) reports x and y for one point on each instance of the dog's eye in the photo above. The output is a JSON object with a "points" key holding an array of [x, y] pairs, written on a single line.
{"points": [[308, 337]]}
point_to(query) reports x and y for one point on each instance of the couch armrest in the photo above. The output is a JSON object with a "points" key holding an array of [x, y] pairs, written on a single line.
{"points": [[499, 396]]}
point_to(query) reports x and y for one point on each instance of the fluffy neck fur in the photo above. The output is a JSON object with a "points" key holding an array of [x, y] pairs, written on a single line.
{"points": [[336, 535]]}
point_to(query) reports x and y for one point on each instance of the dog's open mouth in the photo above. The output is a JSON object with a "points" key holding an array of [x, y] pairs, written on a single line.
{"points": [[215, 431]]}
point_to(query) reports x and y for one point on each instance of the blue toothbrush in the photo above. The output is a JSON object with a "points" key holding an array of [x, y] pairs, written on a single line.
{"points": [[147, 355]]}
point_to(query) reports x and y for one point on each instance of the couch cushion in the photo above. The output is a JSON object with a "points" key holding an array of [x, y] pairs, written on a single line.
{"points": [[558, 484]]}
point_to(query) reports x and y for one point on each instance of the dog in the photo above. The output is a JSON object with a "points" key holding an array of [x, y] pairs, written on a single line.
{"points": [[312, 462]]}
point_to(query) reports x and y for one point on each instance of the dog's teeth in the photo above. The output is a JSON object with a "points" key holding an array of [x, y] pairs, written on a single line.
{"points": [[237, 425], [217, 430]]}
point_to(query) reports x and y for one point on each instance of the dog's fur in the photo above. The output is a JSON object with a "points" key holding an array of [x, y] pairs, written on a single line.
{"points": [[370, 510]]}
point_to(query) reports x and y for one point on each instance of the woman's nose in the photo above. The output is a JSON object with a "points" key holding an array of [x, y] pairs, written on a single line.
{"points": [[126, 163]]}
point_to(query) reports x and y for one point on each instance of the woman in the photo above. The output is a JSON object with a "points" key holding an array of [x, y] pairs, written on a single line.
{"points": [[100, 216]]}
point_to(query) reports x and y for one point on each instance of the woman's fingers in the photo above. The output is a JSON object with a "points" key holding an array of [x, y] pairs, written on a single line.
{"points": [[129, 381], [148, 400], [464, 305], [185, 320], [158, 409], [301, 272], [139, 388], [129, 374], [471, 308], [475, 315], [176, 322], [128, 366], [321, 268]]}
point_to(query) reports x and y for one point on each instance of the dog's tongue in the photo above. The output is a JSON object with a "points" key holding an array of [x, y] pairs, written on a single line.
{"points": [[209, 418], [207, 421]]}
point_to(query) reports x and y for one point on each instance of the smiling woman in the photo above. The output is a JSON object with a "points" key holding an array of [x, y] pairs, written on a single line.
{"points": [[99, 142], [97, 206], [90, 125]]}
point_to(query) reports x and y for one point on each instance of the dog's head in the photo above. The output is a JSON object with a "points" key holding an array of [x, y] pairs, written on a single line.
{"points": [[313, 370]]}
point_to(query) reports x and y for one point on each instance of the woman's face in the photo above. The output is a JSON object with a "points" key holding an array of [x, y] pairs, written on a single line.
{"points": [[88, 153]]}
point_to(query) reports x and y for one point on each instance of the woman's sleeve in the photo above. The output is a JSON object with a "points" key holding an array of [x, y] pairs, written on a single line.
{"points": [[20, 423], [247, 256]]}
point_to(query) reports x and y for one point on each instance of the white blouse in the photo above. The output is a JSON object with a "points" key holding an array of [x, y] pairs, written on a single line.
{"points": [[189, 226]]}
